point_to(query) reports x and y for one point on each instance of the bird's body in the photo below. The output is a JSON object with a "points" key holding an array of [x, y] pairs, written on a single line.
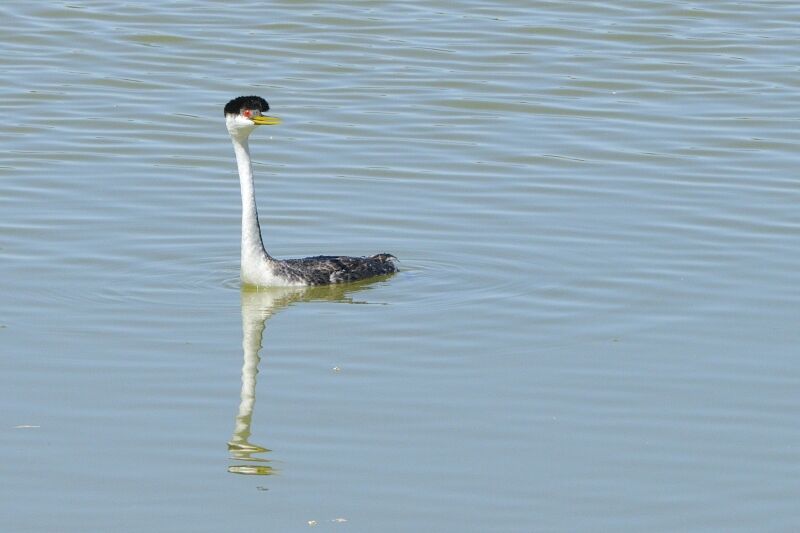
{"points": [[242, 115], [325, 269]]}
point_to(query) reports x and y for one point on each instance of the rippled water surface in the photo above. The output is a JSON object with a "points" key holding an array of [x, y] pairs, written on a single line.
{"points": [[595, 326]]}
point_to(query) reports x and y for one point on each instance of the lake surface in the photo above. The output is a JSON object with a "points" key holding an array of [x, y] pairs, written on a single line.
{"points": [[597, 318]]}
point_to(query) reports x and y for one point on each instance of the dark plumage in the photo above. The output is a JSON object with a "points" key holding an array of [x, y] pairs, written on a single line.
{"points": [[235, 106], [326, 269]]}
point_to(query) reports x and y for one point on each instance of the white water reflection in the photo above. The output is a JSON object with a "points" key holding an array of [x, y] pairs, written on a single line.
{"points": [[258, 306]]}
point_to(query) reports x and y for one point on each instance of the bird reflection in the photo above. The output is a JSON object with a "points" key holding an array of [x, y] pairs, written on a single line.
{"points": [[258, 305]]}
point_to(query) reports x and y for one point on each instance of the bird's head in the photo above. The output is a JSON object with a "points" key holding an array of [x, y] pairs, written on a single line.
{"points": [[244, 113]]}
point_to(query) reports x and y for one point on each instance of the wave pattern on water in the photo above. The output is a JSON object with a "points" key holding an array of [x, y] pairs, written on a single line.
{"points": [[595, 209]]}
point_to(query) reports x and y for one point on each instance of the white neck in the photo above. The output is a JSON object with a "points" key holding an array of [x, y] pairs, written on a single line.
{"points": [[255, 260]]}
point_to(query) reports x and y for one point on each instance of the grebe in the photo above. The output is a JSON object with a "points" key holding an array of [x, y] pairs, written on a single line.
{"points": [[242, 116]]}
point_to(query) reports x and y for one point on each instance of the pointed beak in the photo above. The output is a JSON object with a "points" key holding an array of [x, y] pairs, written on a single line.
{"points": [[263, 120]]}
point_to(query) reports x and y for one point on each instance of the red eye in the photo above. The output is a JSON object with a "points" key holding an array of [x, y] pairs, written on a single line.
{"points": [[247, 113]]}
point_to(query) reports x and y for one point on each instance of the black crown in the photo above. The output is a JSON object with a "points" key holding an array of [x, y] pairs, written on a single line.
{"points": [[236, 105]]}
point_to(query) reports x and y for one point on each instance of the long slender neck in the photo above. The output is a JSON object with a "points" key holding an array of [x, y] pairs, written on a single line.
{"points": [[254, 256]]}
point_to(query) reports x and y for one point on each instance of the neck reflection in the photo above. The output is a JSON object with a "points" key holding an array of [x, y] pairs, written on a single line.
{"points": [[258, 305]]}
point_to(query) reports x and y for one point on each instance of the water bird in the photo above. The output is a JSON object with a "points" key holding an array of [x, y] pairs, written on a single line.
{"points": [[242, 116]]}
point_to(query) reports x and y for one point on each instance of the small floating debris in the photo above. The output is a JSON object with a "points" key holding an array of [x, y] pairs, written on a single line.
{"points": [[339, 520], [336, 369], [312, 523]]}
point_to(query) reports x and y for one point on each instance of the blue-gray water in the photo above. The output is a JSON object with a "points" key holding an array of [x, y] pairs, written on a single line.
{"points": [[596, 323]]}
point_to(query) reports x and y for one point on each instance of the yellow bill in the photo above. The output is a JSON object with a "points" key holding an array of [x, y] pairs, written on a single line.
{"points": [[263, 120]]}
